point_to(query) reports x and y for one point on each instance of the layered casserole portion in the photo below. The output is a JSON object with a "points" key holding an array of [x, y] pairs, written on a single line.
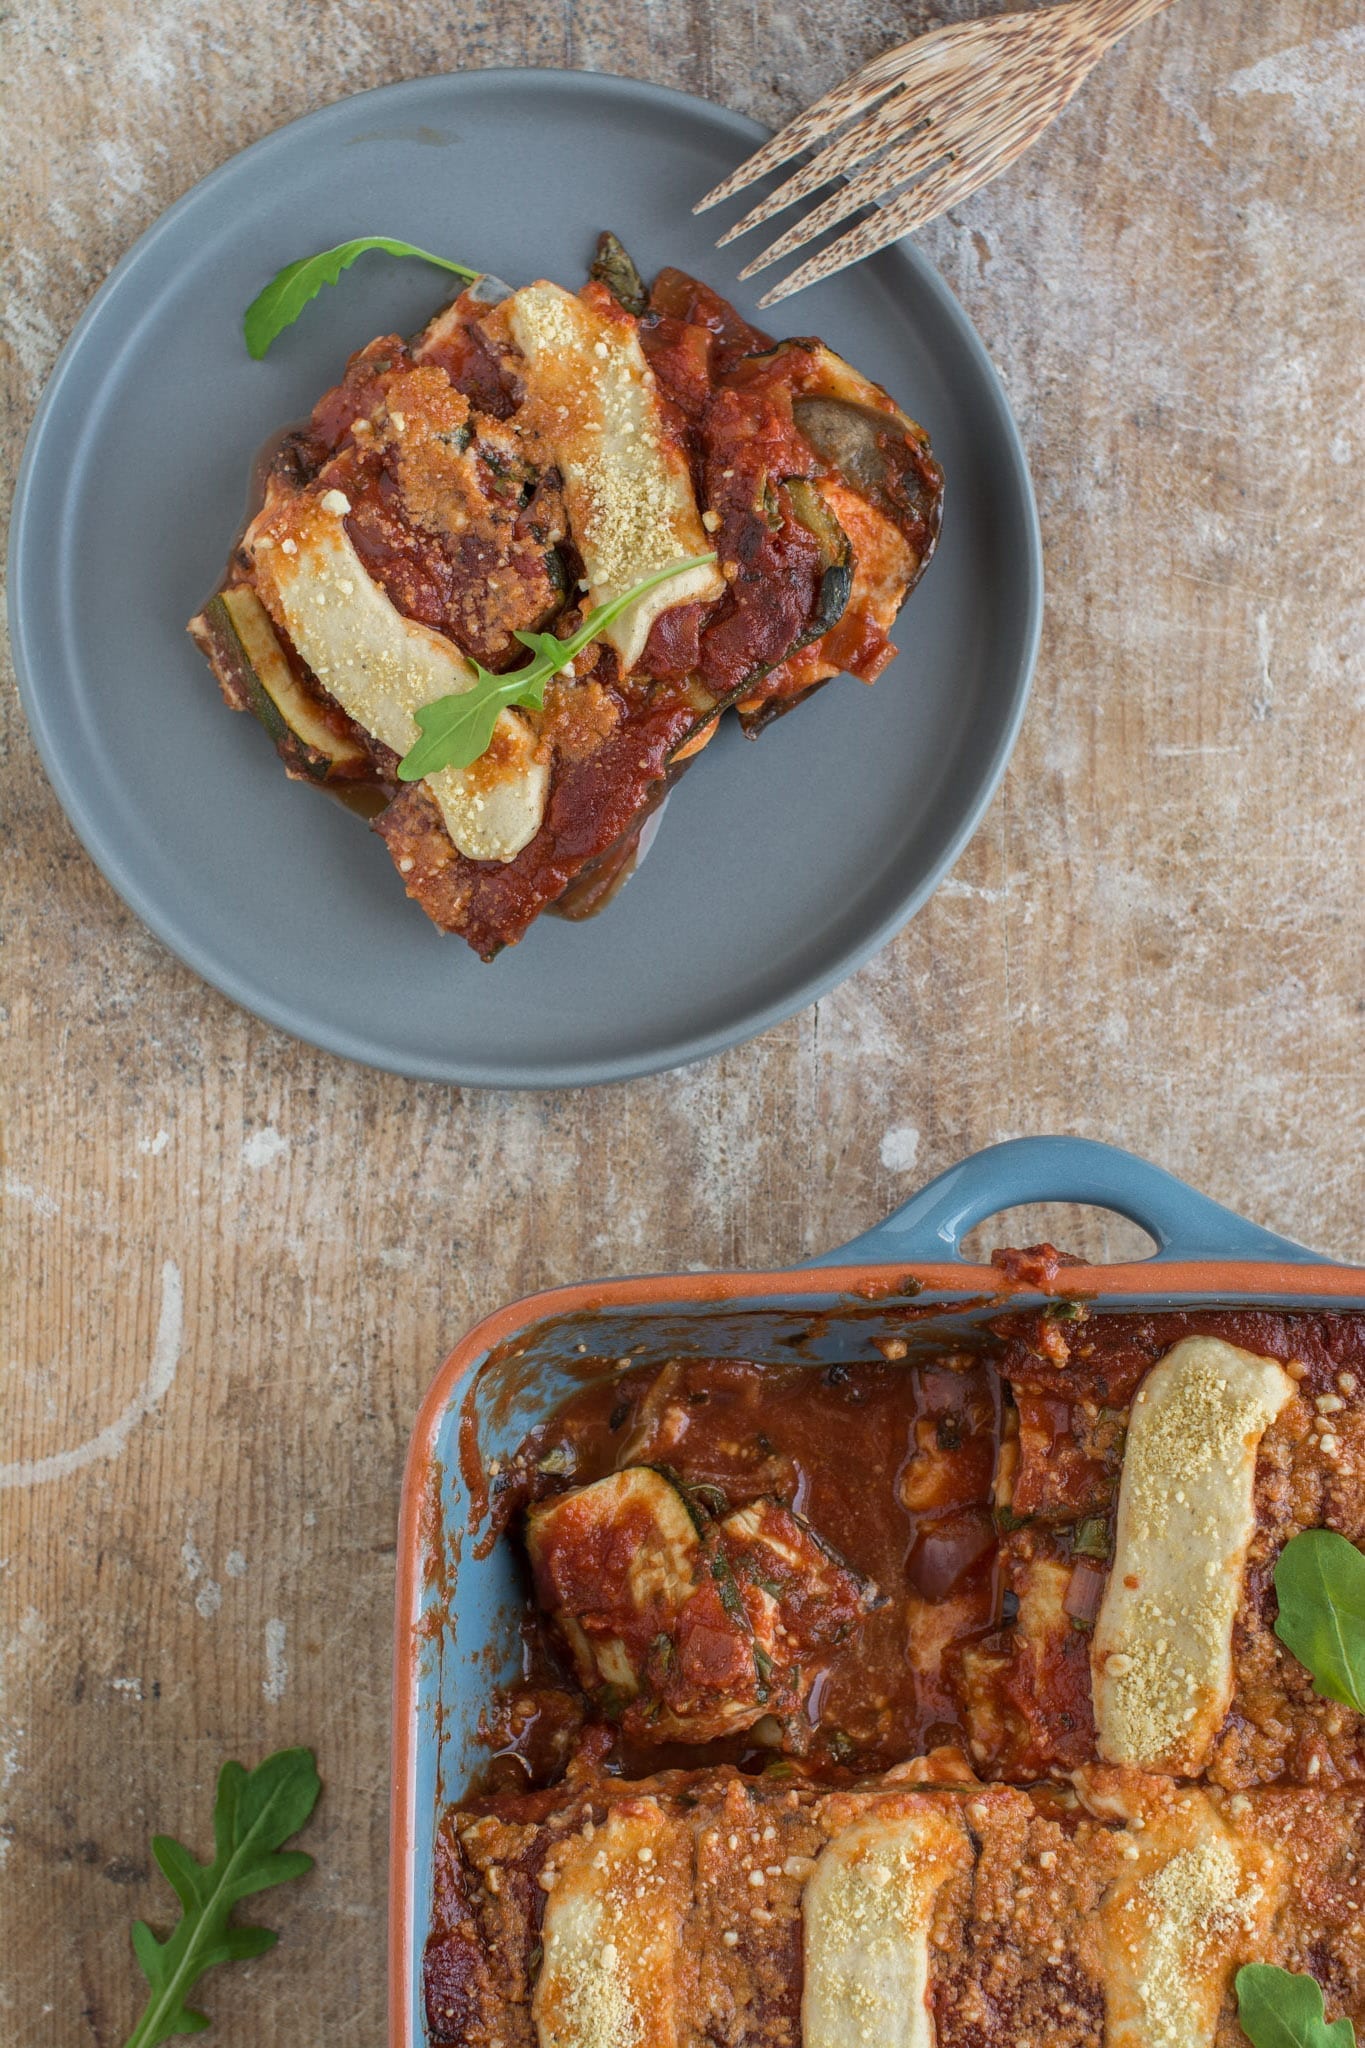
{"points": [[1112, 1911], [950, 1698], [530, 457]]}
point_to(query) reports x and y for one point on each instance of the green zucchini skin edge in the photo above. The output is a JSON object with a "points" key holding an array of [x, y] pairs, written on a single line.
{"points": [[300, 754], [236, 662], [810, 509]]}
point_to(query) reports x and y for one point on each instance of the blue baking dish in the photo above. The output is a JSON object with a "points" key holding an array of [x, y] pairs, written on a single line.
{"points": [[458, 1609]]}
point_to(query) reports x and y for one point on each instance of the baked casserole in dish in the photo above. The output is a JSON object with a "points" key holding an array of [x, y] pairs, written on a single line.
{"points": [[888, 1653]]}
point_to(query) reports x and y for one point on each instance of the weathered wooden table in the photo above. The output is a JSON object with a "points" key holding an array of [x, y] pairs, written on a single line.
{"points": [[232, 1264]]}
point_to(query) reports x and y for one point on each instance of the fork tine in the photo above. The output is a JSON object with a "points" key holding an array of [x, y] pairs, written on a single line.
{"points": [[942, 187], [904, 64], [971, 84], [940, 53], [802, 133], [865, 238], [892, 118], [859, 191], [884, 175]]}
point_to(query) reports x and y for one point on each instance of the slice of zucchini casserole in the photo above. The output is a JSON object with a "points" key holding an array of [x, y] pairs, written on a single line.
{"points": [[524, 465]]}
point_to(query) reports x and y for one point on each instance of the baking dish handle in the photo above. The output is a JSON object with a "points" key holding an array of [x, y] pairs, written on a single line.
{"points": [[1185, 1224]]}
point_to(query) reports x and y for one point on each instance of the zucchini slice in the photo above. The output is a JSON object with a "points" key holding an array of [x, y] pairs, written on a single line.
{"points": [[236, 633], [1161, 1657], [854, 426], [798, 1592], [627, 480], [680, 1623], [797, 499], [641, 1503], [613, 1974], [810, 509], [614, 1563], [382, 667]]}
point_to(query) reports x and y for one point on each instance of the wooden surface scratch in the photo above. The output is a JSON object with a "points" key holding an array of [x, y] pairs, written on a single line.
{"points": [[232, 1264]]}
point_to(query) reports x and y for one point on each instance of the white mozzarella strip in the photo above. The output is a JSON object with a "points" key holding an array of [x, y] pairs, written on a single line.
{"points": [[381, 667], [611, 1935], [1192, 1903], [867, 1912], [1161, 1655], [626, 482]]}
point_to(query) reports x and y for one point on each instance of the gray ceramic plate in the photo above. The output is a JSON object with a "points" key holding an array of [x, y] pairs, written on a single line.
{"points": [[781, 865]]}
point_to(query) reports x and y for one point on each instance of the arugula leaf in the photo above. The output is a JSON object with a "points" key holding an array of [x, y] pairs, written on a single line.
{"points": [[1320, 1580], [255, 1812], [1282, 2009], [457, 728], [290, 290]]}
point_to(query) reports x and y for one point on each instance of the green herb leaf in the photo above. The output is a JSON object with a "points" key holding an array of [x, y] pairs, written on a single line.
{"points": [[457, 728], [1282, 2009], [1091, 1538], [731, 1599], [290, 290], [1320, 1580], [255, 1813]]}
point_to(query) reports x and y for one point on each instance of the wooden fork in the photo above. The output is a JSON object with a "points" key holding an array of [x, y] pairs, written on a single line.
{"points": [[941, 115]]}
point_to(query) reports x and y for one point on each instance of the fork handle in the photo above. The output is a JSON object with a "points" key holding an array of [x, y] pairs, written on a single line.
{"points": [[1110, 19]]}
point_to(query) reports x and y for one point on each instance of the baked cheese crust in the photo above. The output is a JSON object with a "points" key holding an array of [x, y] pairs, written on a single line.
{"points": [[1108, 1912]]}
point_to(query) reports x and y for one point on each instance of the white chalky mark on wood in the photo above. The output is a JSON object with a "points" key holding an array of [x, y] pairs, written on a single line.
{"points": [[276, 1679], [1319, 77], [900, 1148], [38, 1199], [264, 1147], [110, 1441]]}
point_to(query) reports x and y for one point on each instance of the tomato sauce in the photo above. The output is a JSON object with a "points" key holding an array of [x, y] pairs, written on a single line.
{"points": [[977, 1489], [891, 1467]]}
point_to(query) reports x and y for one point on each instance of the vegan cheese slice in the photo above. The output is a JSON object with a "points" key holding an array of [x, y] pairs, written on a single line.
{"points": [[380, 667], [1161, 1655], [867, 1913], [627, 484], [609, 1977], [1190, 1902]]}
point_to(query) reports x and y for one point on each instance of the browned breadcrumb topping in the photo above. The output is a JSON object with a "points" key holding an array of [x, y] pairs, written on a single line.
{"points": [[1062, 1914], [578, 716]]}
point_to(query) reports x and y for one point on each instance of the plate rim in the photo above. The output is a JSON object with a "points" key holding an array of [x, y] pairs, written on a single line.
{"points": [[462, 1071]]}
